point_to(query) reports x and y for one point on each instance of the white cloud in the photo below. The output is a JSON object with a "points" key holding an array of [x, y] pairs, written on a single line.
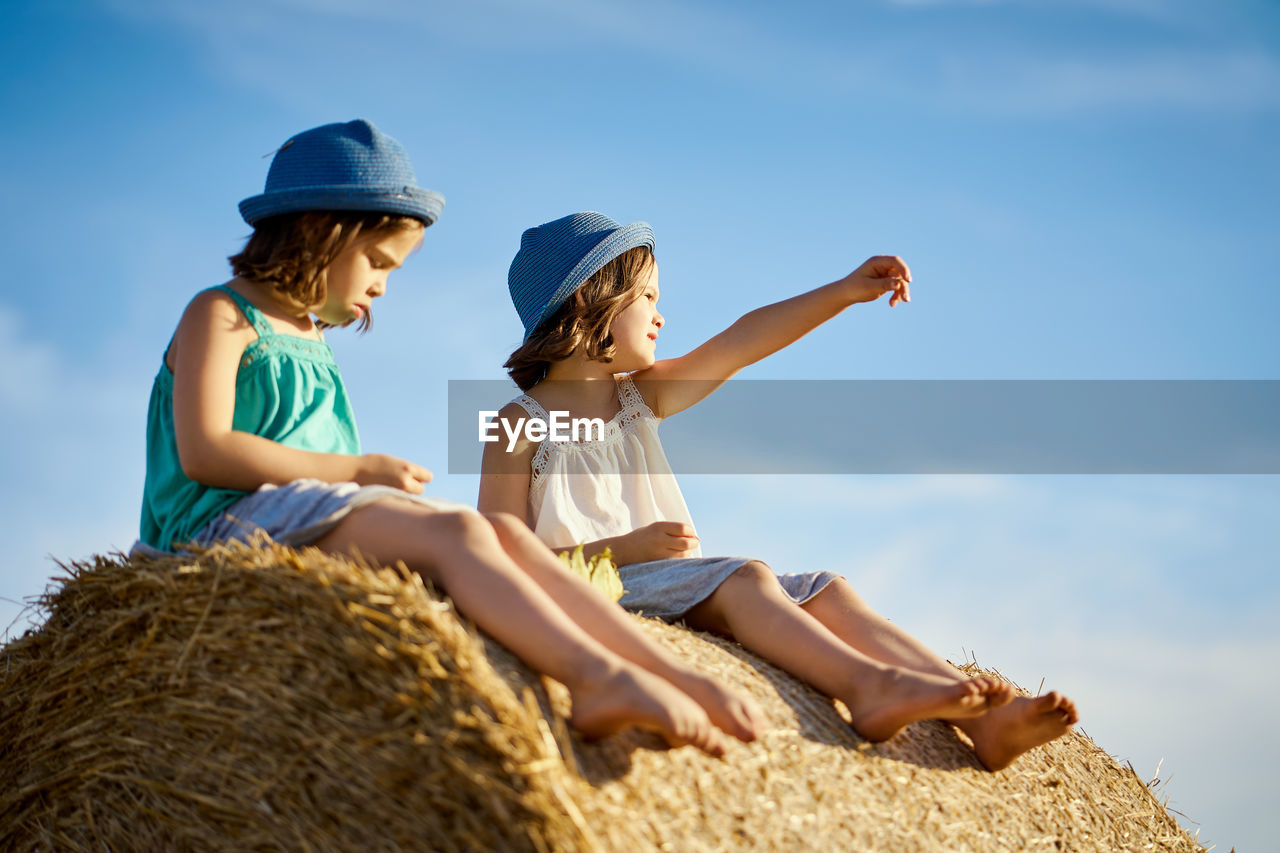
{"points": [[1159, 9], [1211, 81], [1046, 79]]}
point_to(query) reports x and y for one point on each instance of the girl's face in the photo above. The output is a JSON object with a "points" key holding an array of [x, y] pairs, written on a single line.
{"points": [[635, 328], [359, 274]]}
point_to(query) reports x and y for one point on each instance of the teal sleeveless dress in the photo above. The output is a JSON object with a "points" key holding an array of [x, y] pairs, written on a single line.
{"points": [[288, 389]]}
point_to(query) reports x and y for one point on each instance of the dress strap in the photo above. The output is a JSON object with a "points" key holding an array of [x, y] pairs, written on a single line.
{"points": [[542, 456], [630, 400], [250, 311], [531, 406]]}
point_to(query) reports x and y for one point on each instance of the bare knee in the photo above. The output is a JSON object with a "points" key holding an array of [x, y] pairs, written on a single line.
{"points": [[839, 593], [751, 581], [846, 591], [459, 526], [754, 573], [424, 538], [505, 524]]}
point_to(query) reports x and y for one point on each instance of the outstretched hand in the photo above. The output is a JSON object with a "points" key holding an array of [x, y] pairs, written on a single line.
{"points": [[380, 469], [878, 276]]}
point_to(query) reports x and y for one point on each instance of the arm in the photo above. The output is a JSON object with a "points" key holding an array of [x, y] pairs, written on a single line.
{"points": [[763, 332], [505, 475], [504, 487], [205, 357]]}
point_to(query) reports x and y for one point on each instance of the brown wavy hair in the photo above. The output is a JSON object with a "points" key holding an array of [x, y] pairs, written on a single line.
{"points": [[583, 321], [289, 253]]}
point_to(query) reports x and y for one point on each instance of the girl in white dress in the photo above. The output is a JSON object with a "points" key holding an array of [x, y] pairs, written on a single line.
{"points": [[586, 289]]}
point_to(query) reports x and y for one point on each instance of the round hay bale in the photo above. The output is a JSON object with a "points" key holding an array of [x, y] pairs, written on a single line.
{"points": [[262, 698], [258, 697]]}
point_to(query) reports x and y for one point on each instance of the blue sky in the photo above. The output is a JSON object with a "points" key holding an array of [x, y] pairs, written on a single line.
{"points": [[1084, 190]]}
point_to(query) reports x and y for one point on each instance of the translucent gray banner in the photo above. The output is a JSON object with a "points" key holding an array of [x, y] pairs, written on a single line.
{"points": [[944, 427]]}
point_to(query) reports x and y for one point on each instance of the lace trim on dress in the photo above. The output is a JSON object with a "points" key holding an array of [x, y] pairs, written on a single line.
{"points": [[542, 456], [291, 345], [633, 410], [633, 405], [532, 406], [269, 341]]}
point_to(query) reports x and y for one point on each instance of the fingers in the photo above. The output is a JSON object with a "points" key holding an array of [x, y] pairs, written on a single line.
{"points": [[884, 274], [681, 538], [885, 266], [901, 290], [890, 266], [412, 477], [678, 538], [673, 528]]}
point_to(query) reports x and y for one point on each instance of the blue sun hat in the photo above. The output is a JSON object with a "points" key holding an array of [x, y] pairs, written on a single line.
{"points": [[343, 166], [555, 258]]}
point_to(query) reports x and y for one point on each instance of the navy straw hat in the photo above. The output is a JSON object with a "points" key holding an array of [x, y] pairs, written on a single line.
{"points": [[351, 166], [555, 258]]}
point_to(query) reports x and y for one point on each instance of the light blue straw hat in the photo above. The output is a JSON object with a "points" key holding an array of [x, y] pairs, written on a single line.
{"points": [[555, 258], [343, 166]]}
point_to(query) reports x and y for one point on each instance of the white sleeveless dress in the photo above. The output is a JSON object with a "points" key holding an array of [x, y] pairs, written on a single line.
{"points": [[593, 489]]}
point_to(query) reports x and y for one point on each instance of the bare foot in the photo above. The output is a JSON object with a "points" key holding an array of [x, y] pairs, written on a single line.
{"points": [[1023, 724], [630, 696], [902, 697], [736, 715], [1001, 693]]}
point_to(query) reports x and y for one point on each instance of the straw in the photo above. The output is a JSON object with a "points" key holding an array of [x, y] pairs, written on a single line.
{"points": [[263, 698]]}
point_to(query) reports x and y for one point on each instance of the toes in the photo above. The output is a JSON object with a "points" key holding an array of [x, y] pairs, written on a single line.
{"points": [[753, 721], [995, 691], [1049, 701], [743, 721], [1002, 695], [711, 741]]}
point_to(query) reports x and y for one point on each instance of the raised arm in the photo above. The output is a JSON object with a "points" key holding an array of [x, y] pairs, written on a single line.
{"points": [[675, 384], [204, 357]]}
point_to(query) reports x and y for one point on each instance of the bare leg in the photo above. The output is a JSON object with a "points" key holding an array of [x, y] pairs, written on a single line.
{"points": [[460, 552], [612, 628], [751, 607], [1019, 723]]}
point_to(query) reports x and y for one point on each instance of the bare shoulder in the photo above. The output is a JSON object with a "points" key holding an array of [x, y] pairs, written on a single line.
{"points": [[512, 451], [211, 319], [214, 309], [512, 411]]}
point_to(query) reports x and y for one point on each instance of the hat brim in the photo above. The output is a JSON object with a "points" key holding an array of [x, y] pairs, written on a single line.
{"points": [[619, 240], [423, 205]]}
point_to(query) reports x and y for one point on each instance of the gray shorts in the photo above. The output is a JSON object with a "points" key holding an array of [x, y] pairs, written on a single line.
{"points": [[668, 589], [296, 513]]}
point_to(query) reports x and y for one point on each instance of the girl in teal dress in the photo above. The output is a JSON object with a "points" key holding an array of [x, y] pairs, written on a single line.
{"points": [[250, 429]]}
